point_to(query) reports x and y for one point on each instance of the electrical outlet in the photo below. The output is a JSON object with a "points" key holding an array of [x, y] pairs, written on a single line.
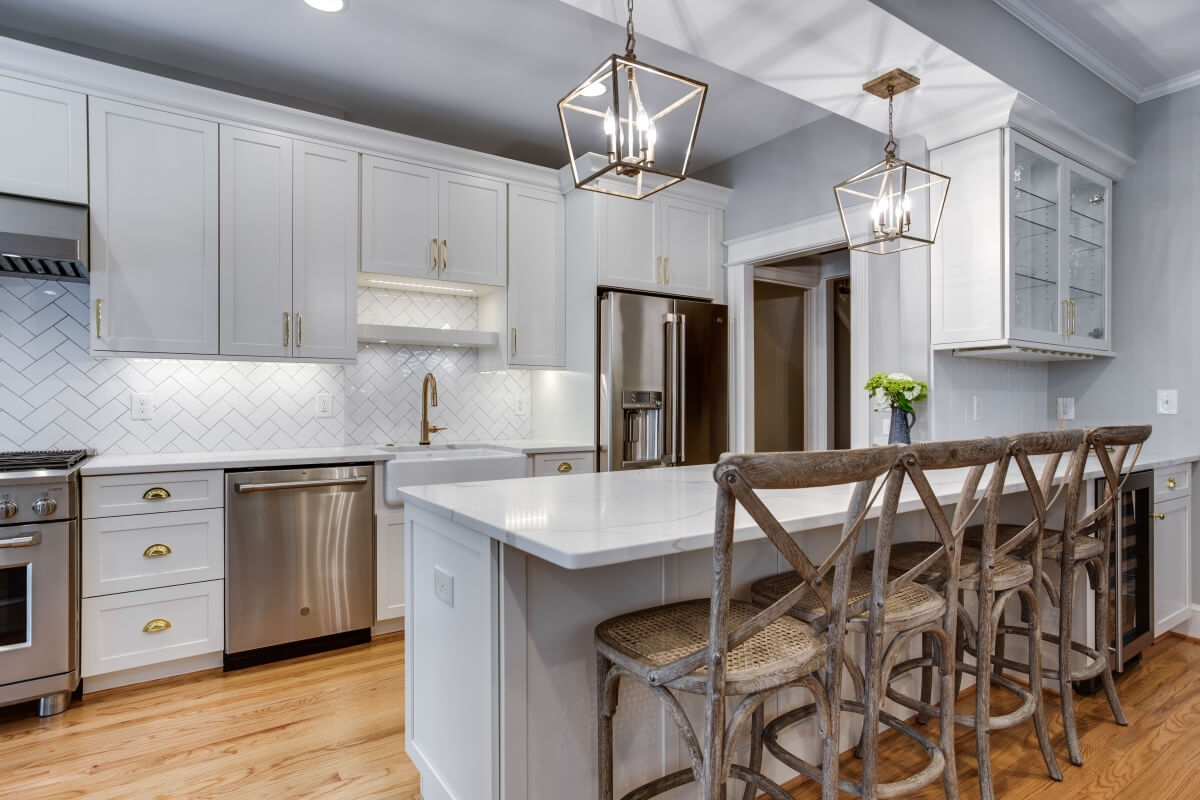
{"points": [[324, 406], [1066, 408], [141, 405], [521, 406], [1167, 401], [443, 586]]}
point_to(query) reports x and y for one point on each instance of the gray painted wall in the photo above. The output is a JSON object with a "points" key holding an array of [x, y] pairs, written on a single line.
{"points": [[791, 178], [986, 34]]}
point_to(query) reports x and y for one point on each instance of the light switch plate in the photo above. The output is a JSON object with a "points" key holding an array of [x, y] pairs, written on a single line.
{"points": [[443, 586], [1066, 408], [324, 406], [141, 405], [1167, 401]]}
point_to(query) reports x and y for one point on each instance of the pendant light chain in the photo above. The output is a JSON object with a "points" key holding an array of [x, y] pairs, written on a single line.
{"points": [[630, 39], [890, 147]]}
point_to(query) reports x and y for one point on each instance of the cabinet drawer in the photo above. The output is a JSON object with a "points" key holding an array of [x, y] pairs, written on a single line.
{"points": [[148, 551], [134, 629], [562, 463], [1172, 482], [151, 492]]}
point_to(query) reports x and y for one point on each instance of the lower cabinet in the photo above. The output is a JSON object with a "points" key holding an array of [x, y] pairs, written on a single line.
{"points": [[1172, 557], [564, 463], [389, 565]]}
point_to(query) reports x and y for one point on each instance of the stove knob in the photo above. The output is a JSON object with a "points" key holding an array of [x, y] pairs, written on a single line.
{"points": [[8, 509], [45, 506]]}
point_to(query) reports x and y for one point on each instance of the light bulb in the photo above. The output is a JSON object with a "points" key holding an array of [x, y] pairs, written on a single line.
{"points": [[651, 134], [907, 202], [643, 121], [610, 123]]}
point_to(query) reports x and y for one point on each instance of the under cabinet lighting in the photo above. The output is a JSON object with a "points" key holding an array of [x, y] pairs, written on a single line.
{"points": [[331, 6], [425, 287]]}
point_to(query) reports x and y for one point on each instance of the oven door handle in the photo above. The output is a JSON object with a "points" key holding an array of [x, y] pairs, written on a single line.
{"points": [[32, 540], [243, 488]]}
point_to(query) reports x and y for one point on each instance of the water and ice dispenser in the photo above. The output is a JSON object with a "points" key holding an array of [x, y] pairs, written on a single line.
{"points": [[643, 428]]}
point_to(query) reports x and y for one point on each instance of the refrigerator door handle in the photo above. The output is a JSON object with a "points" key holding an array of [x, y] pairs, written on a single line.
{"points": [[681, 404], [671, 384]]}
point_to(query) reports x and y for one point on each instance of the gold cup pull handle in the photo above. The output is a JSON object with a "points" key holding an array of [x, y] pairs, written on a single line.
{"points": [[156, 551], [1158, 515], [157, 625], [565, 466], [1172, 483], [157, 493]]}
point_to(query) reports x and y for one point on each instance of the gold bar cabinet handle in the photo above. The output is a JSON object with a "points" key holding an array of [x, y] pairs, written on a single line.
{"points": [[156, 551], [658, 274], [433, 253], [1158, 515], [299, 329], [99, 301], [445, 254], [157, 625], [666, 269], [157, 493], [514, 349], [565, 466], [287, 328]]}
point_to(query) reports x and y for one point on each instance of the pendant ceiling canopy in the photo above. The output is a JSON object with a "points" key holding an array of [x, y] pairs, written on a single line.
{"points": [[893, 205], [629, 126]]}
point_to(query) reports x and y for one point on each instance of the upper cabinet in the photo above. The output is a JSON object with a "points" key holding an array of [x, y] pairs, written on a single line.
{"points": [[1021, 264], [535, 278], [154, 231], [660, 244], [43, 144], [422, 222]]}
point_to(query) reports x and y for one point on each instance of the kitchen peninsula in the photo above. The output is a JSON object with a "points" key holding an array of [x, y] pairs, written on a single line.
{"points": [[506, 581]]}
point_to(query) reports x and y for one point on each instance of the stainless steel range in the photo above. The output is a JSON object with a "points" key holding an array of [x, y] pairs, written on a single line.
{"points": [[39, 578]]}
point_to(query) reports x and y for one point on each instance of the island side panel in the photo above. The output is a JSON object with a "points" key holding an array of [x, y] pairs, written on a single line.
{"points": [[451, 658]]}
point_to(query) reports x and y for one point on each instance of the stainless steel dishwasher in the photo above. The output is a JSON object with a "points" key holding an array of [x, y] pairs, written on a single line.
{"points": [[298, 561]]}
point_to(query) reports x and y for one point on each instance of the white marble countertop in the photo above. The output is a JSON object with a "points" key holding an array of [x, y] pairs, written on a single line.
{"points": [[239, 459], [599, 519]]}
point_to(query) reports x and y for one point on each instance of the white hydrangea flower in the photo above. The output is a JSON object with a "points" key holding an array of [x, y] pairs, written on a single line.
{"points": [[912, 392], [899, 376]]}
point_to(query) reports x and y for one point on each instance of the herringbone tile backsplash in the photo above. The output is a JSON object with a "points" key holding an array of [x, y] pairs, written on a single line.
{"points": [[53, 394]]}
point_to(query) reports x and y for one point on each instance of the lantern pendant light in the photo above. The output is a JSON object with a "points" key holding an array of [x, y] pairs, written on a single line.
{"points": [[630, 127], [893, 205]]}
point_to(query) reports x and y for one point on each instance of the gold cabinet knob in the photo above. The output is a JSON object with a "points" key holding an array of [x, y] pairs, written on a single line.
{"points": [[157, 493], [1172, 483], [1159, 515], [157, 625], [156, 551], [565, 466]]}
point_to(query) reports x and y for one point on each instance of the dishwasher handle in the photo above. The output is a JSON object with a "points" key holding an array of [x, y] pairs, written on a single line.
{"points": [[243, 488]]}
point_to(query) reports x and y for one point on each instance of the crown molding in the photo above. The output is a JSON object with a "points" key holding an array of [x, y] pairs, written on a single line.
{"points": [[1170, 87]]}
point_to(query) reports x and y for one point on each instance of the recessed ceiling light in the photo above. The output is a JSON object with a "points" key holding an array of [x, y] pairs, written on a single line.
{"points": [[594, 89], [327, 5]]}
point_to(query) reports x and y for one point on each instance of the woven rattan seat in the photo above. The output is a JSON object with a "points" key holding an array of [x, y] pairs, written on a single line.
{"points": [[1085, 546], [1008, 572], [909, 607], [655, 637]]}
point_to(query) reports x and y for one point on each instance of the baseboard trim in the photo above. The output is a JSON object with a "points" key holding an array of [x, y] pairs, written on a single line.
{"points": [[1190, 627]]}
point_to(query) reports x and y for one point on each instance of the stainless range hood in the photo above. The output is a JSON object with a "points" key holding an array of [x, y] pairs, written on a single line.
{"points": [[43, 239]]}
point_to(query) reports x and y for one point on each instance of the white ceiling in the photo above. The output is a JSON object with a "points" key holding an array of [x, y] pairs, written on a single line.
{"points": [[481, 74], [1143, 48]]}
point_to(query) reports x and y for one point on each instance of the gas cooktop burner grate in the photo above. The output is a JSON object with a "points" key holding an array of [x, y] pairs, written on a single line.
{"points": [[41, 459]]}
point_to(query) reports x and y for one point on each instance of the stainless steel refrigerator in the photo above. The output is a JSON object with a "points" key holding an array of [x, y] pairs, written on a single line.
{"points": [[663, 382]]}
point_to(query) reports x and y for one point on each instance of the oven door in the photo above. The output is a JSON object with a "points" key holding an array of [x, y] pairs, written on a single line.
{"points": [[36, 588]]}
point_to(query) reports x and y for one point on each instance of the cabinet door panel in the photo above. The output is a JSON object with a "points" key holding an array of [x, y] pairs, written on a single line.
{"points": [[154, 226], [256, 243], [399, 218], [1035, 242], [44, 154], [324, 251], [1086, 263], [626, 243], [535, 278], [472, 224], [688, 247], [389, 565], [1171, 561]]}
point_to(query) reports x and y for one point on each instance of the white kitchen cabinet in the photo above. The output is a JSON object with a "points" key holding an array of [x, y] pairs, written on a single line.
{"points": [[399, 218], [422, 222], [536, 335], [1022, 260], [256, 243], [43, 143], [154, 231], [1172, 557], [324, 252], [389, 565], [661, 244], [565, 463]]}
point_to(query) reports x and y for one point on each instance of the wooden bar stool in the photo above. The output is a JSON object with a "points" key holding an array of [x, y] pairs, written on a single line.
{"points": [[718, 647], [998, 573], [892, 611], [1084, 545]]}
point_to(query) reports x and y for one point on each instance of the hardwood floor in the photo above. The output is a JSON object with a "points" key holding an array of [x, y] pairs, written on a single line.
{"points": [[332, 727], [328, 726]]}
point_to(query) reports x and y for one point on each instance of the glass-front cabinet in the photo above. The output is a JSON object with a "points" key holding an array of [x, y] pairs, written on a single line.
{"points": [[1022, 259]]}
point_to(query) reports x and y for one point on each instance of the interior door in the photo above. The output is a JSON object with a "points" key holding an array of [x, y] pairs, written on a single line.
{"points": [[471, 221], [703, 406], [324, 252], [399, 218], [256, 243]]}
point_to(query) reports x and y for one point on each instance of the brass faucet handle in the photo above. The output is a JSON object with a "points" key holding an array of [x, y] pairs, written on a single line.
{"points": [[436, 428]]}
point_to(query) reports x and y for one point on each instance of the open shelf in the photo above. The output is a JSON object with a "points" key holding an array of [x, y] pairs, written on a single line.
{"points": [[426, 337]]}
